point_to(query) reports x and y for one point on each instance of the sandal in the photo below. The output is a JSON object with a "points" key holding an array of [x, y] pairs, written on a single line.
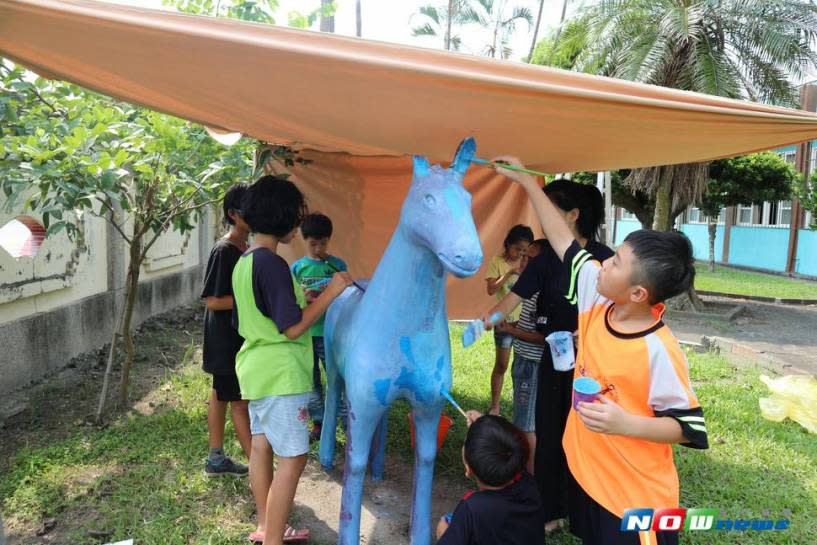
{"points": [[291, 535]]}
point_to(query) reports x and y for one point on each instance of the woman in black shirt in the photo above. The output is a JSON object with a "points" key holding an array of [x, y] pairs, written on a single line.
{"points": [[583, 209]]}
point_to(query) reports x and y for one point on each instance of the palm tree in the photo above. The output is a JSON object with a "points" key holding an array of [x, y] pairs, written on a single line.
{"points": [[439, 20], [491, 15], [536, 28], [746, 49]]}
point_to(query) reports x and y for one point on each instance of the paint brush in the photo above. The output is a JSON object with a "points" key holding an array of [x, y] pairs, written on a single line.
{"points": [[355, 284], [505, 165], [450, 399], [476, 328]]}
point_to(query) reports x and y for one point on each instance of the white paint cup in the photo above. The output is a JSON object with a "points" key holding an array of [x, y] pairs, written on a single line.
{"points": [[561, 350]]}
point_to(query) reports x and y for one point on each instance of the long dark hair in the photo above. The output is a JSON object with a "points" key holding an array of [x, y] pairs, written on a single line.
{"points": [[589, 201]]}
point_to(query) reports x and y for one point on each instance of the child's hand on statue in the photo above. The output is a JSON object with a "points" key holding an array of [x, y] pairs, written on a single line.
{"points": [[340, 281]]}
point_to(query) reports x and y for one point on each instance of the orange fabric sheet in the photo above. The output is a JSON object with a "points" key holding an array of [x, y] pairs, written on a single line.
{"points": [[334, 93], [363, 196], [378, 102]]}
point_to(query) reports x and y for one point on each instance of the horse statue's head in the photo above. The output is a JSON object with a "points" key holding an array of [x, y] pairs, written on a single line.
{"points": [[437, 212]]}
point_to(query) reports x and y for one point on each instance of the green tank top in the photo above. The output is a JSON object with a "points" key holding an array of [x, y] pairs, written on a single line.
{"points": [[268, 364]]}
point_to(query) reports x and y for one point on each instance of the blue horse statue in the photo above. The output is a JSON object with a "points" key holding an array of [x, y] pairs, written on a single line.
{"points": [[391, 341]]}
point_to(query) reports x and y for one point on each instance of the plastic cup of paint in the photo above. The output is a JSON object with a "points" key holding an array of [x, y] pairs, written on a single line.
{"points": [[561, 350], [585, 389]]}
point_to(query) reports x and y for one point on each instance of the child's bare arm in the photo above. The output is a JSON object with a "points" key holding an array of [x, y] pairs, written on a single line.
{"points": [[553, 224], [340, 281], [225, 302], [532, 337], [609, 417], [494, 284]]}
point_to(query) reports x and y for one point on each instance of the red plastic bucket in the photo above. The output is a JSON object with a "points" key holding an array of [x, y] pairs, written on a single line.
{"points": [[442, 430]]}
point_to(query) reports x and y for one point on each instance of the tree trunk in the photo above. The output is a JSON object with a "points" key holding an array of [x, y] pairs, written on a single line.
{"points": [[358, 20], [713, 232], [663, 205], [327, 23], [536, 30], [448, 17], [695, 299], [132, 290], [106, 380]]}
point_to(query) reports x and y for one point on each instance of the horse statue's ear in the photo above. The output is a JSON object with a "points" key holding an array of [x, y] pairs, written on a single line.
{"points": [[420, 165], [466, 152]]}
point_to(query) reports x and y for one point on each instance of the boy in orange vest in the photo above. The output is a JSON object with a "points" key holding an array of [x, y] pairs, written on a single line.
{"points": [[619, 447]]}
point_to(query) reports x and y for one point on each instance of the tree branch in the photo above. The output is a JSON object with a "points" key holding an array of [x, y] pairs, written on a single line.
{"points": [[114, 224]]}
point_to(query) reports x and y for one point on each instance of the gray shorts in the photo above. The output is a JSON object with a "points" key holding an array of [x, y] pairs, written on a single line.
{"points": [[283, 421]]}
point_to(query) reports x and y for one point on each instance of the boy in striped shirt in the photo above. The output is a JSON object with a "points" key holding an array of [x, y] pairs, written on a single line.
{"points": [[528, 344]]}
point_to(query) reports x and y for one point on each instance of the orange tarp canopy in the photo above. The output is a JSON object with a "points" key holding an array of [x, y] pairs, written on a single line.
{"points": [[330, 93]]}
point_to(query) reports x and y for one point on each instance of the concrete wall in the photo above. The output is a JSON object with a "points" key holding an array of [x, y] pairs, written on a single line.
{"points": [[64, 301]]}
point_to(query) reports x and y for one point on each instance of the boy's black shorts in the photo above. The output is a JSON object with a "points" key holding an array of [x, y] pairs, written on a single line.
{"points": [[226, 387], [595, 525]]}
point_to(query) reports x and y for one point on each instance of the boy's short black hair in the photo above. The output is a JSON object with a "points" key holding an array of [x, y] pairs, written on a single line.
{"points": [[665, 263], [316, 226], [232, 201], [273, 206], [516, 234], [495, 450]]}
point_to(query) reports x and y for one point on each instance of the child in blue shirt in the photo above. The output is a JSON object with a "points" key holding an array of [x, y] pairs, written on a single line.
{"points": [[313, 272]]}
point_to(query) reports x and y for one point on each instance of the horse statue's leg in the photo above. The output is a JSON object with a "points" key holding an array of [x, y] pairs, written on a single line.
{"points": [[378, 455], [364, 416], [426, 423], [334, 387]]}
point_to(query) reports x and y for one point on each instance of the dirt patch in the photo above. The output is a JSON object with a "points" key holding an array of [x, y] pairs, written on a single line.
{"points": [[61, 403]]}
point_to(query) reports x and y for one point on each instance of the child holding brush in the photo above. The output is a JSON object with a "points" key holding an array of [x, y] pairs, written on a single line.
{"points": [[313, 272]]}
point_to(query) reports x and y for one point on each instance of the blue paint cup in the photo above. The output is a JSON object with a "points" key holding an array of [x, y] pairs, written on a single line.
{"points": [[585, 389]]}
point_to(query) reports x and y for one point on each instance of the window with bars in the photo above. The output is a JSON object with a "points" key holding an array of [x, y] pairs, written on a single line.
{"points": [[745, 214], [627, 215]]}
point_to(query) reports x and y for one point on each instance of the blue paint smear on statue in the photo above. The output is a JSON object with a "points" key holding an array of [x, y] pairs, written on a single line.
{"points": [[391, 341]]}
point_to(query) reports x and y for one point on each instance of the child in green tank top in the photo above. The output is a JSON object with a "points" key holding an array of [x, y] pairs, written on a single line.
{"points": [[274, 365]]}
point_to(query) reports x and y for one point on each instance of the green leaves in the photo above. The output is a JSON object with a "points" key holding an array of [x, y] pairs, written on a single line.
{"points": [[73, 151], [749, 179], [734, 48]]}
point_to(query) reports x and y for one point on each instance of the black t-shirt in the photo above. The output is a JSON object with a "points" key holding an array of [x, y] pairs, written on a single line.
{"points": [[273, 290], [510, 516], [221, 341], [545, 274]]}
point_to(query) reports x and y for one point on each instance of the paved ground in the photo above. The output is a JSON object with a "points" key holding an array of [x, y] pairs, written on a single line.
{"points": [[783, 335]]}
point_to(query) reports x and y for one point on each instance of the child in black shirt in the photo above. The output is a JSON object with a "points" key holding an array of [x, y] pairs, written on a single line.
{"points": [[506, 510], [222, 342]]}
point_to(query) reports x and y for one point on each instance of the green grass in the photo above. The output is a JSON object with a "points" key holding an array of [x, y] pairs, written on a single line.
{"points": [[737, 282], [141, 477]]}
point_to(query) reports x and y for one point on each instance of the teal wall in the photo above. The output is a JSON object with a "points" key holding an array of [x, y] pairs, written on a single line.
{"points": [[699, 236], [806, 252], [624, 228], [759, 247]]}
